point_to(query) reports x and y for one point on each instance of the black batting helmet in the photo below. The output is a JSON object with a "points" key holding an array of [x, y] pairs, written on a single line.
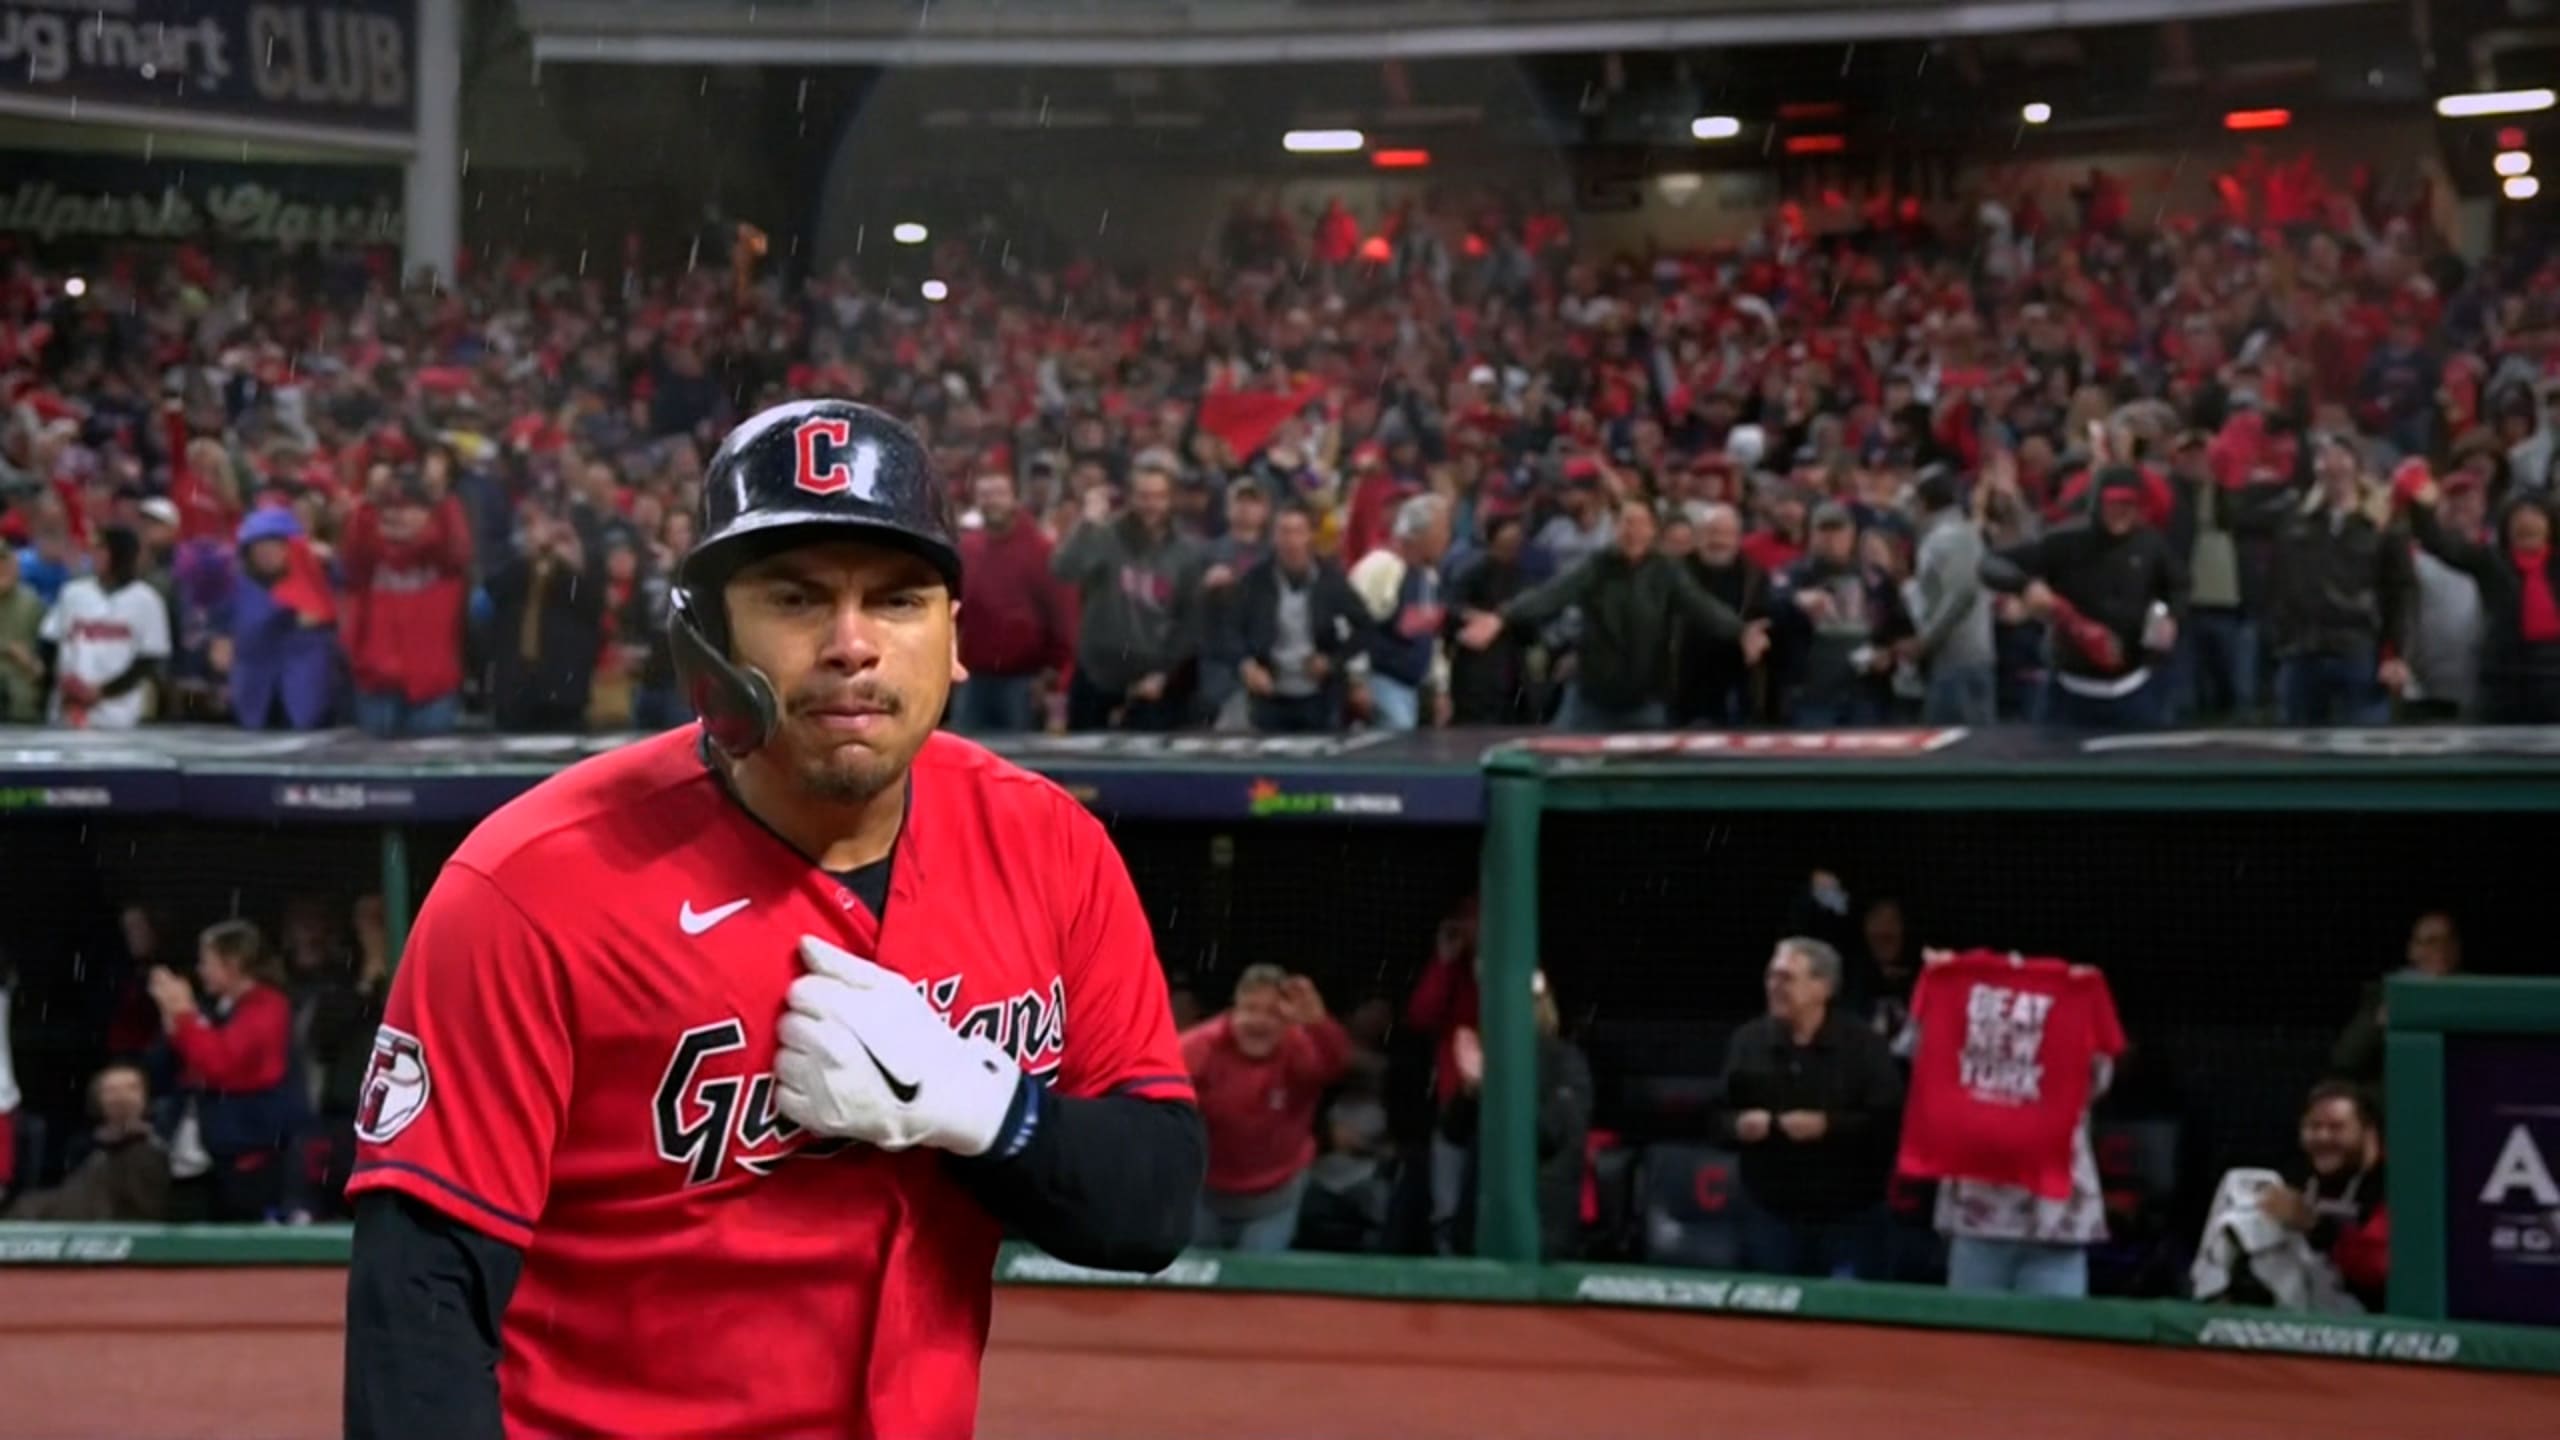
{"points": [[802, 471]]}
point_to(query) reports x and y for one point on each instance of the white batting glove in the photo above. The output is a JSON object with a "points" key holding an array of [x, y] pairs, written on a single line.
{"points": [[864, 1057]]}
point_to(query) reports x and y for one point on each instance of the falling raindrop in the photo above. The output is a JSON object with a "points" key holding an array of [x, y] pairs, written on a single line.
{"points": [[150, 142], [802, 104], [1848, 56], [1105, 225], [1044, 112]]}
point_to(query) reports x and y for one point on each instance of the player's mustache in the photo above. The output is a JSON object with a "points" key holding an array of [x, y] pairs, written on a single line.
{"points": [[875, 697]]}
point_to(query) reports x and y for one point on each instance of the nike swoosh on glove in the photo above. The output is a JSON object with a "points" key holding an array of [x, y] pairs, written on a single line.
{"points": [[864, 1057]]}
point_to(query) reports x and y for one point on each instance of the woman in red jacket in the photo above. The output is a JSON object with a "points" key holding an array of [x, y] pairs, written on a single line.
{"points": [[236, 1054]]}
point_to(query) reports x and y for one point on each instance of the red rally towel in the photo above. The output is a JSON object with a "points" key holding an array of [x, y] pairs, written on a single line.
{"points": [[1246, 418], [304, 588]]}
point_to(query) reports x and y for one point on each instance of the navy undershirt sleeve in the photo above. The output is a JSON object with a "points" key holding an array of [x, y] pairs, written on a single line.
{"points": [[425, 1294]]}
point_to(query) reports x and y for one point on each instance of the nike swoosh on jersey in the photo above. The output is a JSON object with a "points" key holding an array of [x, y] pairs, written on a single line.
{"points": [[904, 1090], [696, 921]]}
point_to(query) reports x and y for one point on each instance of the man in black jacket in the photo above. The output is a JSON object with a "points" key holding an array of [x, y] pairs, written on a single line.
{"points": [[1717, 686], [1631, 598], [1299, 621], [1491, 686], [1844, 619], [2342, 586], [2112, 594], [1810, 1099]]}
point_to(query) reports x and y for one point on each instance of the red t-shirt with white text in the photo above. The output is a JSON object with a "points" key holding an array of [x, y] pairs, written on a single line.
{"points": [[576, 1059], [2002, 1072]]}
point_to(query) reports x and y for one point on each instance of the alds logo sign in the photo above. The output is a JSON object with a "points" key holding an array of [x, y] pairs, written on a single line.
{"points": [[706, 1121]]}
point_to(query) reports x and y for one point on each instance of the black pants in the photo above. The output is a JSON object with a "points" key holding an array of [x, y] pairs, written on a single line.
{"points": [[2521, 697], [1089, 708], [1317, 714], [247, 1186], [534, 712]]}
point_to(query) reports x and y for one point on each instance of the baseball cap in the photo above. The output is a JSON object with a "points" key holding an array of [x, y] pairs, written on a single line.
{"points": [[160, 510], [1832, 515]]}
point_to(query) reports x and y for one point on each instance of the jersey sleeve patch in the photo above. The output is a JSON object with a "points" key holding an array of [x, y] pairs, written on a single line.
{"points": [[396, 1087]]}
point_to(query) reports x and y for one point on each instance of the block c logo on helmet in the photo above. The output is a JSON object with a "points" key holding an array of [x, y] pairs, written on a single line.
{"points": [[830, 463]]}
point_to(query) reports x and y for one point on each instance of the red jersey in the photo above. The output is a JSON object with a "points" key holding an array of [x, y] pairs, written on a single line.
{"points": [[1261, 1114], [2001, 1077], [576, 1059]]}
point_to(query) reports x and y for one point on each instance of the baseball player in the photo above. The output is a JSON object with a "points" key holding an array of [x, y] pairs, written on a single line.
{"points": [[717, 1065]]}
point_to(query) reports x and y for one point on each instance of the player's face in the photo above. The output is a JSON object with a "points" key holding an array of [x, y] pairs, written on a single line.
{"points": [[121, 1096], [2333, 1136], [1792, 988], [215, 972], [859, 643], [1256, 1022]]}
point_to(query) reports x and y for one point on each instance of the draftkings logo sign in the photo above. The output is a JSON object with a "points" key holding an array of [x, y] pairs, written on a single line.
{"points": [[1266, 799]]}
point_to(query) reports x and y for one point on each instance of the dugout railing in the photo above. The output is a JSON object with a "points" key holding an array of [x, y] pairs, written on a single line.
{"points": [[1632, 868]]}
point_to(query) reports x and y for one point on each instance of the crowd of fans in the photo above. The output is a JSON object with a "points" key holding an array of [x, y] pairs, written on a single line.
{"points": [[2289, 460]]}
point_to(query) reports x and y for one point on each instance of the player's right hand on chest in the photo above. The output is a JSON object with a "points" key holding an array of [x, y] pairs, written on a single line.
{"points": [[863, 1056]]}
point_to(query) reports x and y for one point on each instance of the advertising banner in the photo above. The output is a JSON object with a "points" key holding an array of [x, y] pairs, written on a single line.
{"points": [[346, 65], [2502, 1201], [66, 199]]}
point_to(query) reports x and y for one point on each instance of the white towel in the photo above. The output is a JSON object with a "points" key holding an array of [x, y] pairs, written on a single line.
{"points": [[2237, 1231]]}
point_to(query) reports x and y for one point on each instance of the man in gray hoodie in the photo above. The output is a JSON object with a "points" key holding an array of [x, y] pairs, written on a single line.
{"points": [[1953, 645], [1139, 583]]}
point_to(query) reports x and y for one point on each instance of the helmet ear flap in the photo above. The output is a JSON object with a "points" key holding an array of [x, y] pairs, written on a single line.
{"points": [[737, 704]]}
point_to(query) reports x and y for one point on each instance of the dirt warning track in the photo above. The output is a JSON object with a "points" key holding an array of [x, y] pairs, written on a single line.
{"points": [[254, 1355]]}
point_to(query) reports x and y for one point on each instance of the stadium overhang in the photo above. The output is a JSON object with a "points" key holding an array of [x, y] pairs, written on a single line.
{"points": [[1245, 32]]}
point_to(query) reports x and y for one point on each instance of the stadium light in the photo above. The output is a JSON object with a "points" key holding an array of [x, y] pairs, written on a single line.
{"points": [[936, 291], [2512, 163], [2495, 102], [1323, 142], [908, 232], [1715, 127], [2257, 119], [75, 287], [2035, 112], [2522, 187]]}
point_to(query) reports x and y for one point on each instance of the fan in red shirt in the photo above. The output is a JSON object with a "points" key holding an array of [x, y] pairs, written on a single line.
{"points": [[236, 1054], [1261, 1068], [718, 1065]]}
